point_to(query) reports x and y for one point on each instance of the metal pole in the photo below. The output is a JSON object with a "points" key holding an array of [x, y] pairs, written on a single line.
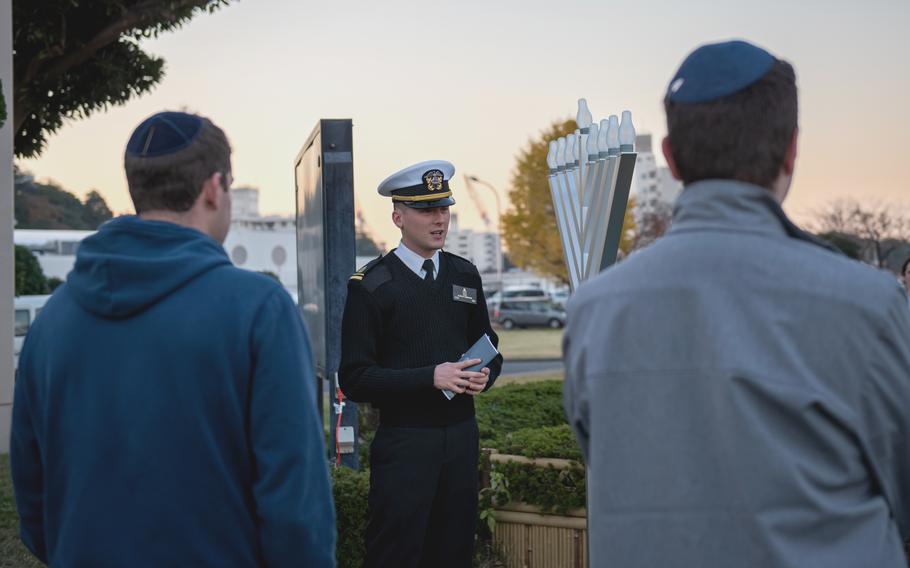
{"points": [[619, 201], [598, 234], [564, 207], [562, 226], [7, 255]]}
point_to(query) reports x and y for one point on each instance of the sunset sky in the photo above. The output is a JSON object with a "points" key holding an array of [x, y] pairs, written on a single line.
{"points": [[471, 82]]}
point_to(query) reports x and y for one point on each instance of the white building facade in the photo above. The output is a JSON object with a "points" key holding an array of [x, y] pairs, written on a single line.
{"points": [[653, 186], [265, 244], [480, 247], [261, 244], [55, 250]]}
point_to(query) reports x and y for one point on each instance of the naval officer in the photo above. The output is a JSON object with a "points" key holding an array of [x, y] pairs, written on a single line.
{"points": [[408, 318]]}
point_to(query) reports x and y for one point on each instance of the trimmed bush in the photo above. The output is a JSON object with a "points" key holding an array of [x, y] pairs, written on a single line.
{"points": [[546, 442], [528, 420], [350, 489], [553, 490], [507, 409]]}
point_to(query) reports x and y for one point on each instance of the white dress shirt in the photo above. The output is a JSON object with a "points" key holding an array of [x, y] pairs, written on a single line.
{"points": [[415, 262]]}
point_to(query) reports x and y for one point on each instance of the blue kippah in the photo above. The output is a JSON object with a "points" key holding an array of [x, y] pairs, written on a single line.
{"points": [[717, 70], [164, 133]]}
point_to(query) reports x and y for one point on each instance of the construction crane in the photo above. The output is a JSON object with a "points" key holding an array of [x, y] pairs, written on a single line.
{"points": [[480, 208], [362, 232]]}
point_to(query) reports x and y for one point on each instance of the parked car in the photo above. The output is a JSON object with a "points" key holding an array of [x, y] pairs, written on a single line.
{"points": [[527, 313], [514, 293], [560, 297], [26, 310]]}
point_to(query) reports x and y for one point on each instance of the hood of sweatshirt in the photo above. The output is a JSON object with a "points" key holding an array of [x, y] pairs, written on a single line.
{"points": [[131, 264]]}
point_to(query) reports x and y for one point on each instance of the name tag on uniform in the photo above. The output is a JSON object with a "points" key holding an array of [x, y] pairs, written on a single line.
{"points": [[464, 294]]}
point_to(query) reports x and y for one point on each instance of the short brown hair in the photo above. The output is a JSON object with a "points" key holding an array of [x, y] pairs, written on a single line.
{"points": [[743, 136], [173, 182]]}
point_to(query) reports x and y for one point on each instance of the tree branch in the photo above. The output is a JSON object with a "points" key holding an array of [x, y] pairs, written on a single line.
{"points": [[55, 61], [136, 16]]}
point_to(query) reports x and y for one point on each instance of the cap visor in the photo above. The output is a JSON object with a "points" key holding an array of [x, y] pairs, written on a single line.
{"points": [[444, 202]]}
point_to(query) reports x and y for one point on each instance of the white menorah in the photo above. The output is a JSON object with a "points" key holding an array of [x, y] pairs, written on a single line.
{"points": [[590, 177]]}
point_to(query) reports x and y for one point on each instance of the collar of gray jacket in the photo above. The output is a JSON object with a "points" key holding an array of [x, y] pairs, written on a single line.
{"points": [[729, 205]]}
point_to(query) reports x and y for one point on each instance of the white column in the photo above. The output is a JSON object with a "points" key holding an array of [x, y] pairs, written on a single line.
{"points": [[7, 264]]}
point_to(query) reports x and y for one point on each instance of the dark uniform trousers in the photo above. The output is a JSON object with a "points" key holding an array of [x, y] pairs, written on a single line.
{"points": [[423, 496]]}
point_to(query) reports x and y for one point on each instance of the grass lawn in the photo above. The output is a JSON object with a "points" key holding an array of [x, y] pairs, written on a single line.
{"points": [[530, 343], [529, 378], [13, 553]]}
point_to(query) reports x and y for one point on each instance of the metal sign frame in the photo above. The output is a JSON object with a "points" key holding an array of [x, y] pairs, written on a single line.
{"points": [[324, 193]]}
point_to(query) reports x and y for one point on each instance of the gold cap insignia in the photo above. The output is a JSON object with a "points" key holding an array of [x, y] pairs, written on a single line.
{"points": [[433, 180]]}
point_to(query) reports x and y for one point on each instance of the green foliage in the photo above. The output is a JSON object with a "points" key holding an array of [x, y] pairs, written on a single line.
{"points": [[13, 553], [29, 276], [48, 206], [551, 489], [546, 442], [528, 420], [351, 489], [510, 408], [529, 228], [95, 210], [363, 447], [75, 58], [496, 494], [53, 283], [523, 419]]}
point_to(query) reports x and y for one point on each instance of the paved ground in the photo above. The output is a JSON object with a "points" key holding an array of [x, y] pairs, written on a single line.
{"points": [[522, 367]]}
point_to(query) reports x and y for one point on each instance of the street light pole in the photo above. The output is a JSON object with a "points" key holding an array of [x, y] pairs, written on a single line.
{"points": [[499, 227]]}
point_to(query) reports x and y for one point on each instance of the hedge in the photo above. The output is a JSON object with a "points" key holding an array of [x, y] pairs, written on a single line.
{"points": [[546, 442], [551, 489], [525, 419], [528, 420], [510, 408], [350, 489]]}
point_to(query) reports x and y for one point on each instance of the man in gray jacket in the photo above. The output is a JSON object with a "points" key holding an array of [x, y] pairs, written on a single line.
{"points": [[739, 391]]}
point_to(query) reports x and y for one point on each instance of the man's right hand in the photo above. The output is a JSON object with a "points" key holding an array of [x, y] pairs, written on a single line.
{"points": [[453, 377]]}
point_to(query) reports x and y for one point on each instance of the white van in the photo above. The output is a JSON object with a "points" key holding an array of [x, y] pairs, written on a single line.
{"points": [[26, 310]]}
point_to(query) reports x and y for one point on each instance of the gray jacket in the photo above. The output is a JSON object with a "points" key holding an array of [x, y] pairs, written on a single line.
{"points": [[741, 396]]}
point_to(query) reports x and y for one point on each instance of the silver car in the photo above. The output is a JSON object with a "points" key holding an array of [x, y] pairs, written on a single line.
{"points": [[527, 312]]}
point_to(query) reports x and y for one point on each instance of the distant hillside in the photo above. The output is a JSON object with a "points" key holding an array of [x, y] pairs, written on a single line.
{"points": [[48, 206]]}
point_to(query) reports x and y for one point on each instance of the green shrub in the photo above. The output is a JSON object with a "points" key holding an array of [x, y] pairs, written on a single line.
{"points": [[523, 419], [350, 489], [504, 410], [363, 447], [551, 489], [546, 442], [528, 420]]}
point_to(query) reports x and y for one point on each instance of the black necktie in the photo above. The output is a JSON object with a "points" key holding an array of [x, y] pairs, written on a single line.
{"points": [[428, 268]]}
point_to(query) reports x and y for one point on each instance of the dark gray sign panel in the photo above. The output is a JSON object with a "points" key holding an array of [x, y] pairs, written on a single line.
{"points": [[324, 180]]}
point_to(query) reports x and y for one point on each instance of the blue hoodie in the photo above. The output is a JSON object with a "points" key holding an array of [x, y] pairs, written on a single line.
{"points": [[165, 413]]}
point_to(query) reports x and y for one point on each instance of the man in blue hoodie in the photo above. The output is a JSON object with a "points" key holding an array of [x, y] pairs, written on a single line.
{"points": [[165, 409]]}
